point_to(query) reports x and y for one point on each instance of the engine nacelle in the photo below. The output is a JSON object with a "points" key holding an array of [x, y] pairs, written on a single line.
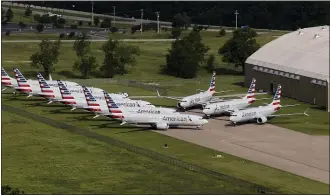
{"points": [[179, 105], [162, 126], [262, 120]]}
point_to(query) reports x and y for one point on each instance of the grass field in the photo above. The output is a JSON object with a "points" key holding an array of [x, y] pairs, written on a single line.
{"points": [[240, 168], [38, 158]]}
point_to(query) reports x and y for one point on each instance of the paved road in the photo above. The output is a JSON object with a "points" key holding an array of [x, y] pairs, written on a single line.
{"points": [[284, 149], [93, 40]]}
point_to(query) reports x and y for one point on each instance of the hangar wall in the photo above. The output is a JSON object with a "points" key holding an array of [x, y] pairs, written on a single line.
{"points": [[302, 89]]}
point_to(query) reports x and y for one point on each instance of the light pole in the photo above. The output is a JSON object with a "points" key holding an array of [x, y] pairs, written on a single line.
{"points": [[157, 22], [236, 13], [92, 13], [114, 15], [141, 20]]}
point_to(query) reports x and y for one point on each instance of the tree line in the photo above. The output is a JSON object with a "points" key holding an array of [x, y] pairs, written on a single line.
{"points": [[185, 57], [267, 15]]}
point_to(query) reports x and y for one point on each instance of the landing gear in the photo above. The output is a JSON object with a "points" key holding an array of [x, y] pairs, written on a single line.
{"points": [[198, 128], [206, 116], [153, 126]]}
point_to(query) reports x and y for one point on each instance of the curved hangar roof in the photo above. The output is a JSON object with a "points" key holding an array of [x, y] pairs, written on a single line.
{"points": [[303, 52]]}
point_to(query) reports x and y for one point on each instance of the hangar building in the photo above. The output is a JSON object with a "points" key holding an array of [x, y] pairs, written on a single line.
{"points": [[299, 61]]}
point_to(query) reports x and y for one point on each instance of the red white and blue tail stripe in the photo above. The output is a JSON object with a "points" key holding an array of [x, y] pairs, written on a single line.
{"points": [[112, 106], [251, 92], [5, 78], [92, 103], [65, 93], [46, 90], [212, 83], [22, 83], [277, 98]]}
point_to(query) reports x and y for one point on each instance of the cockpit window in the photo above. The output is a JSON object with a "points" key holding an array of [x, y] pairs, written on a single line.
{"points": [[183, 101]]}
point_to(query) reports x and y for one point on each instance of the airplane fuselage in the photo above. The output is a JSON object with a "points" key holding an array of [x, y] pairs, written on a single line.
{"points": [[195, 99], [224, 107], [261, 113]]}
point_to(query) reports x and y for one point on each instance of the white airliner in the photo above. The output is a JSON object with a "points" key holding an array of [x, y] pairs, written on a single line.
{"points": [[262, 113], [158, 121], [100, 106], [136, 110], [233, 104], [202, 98], [30, 87]]}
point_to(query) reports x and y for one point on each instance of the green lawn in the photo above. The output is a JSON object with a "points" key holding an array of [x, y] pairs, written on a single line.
{"points": [[40, 159], [233, 166]]}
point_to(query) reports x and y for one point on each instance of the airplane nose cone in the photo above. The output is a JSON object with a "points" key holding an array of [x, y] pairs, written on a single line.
{"points": [[231, 118]]}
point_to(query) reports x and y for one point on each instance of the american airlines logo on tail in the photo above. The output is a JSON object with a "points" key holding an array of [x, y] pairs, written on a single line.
{"points": [[45, 88], [91, 101], [112, 106], [251, 91], [21, 81], [212, 83], [277, 98], [5, 79], [65, 93]]}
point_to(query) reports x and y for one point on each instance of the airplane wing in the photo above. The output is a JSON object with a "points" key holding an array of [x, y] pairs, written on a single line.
{"points": [[238, 95], [291, 114]]}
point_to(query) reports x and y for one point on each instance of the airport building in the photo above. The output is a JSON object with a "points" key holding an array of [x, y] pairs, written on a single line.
{"points": [[299, 61]]}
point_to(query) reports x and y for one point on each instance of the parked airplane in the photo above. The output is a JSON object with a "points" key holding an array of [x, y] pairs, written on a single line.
{"points": [[158, 121], [32, 87], [7, 81], [202, 98], [136, 110], [262, 113], [233, 104]]}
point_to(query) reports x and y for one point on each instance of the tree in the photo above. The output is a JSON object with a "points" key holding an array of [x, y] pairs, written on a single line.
{"points": [[82, 45], [37, 18], [9, 14], [106, 23], [61, 21], [40, 27], [7, 190], [181, 21], [237, 49], [186, 55], [176, 32], [85, 65], [210, 63], [96, 21], [28, 11], [117, 57], [222, 33], [47, 56]]}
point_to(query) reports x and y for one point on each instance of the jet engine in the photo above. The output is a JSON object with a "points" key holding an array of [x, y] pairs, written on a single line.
{"points": [[261, 120], [163, 126], [179, 105]]}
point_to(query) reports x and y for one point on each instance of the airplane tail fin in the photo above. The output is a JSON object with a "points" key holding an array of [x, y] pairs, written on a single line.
{"points": [[46, 90], [22, 83], [91, 101], [277, 98], [212, 83], [5, 78], [65, 93], [251, 92], [113, 107]]}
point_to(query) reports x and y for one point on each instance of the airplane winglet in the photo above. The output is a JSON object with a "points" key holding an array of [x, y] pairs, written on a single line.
{"points": [[50, 77], [123, 123], [158, 93], [96, 116]]}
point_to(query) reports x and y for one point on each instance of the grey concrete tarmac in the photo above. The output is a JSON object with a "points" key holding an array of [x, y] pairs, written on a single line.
{"points": [[277, 147]]}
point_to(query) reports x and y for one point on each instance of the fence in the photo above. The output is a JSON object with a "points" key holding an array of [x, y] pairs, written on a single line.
{"points": [[141, 151]]}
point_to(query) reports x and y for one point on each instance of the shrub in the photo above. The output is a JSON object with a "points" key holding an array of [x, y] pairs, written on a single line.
{"points": [[7, 32], [89, 23], [21, 25], [71, 34], [222, 33], [40, 27], [62, 35], [80, 23], [113, 29]]}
